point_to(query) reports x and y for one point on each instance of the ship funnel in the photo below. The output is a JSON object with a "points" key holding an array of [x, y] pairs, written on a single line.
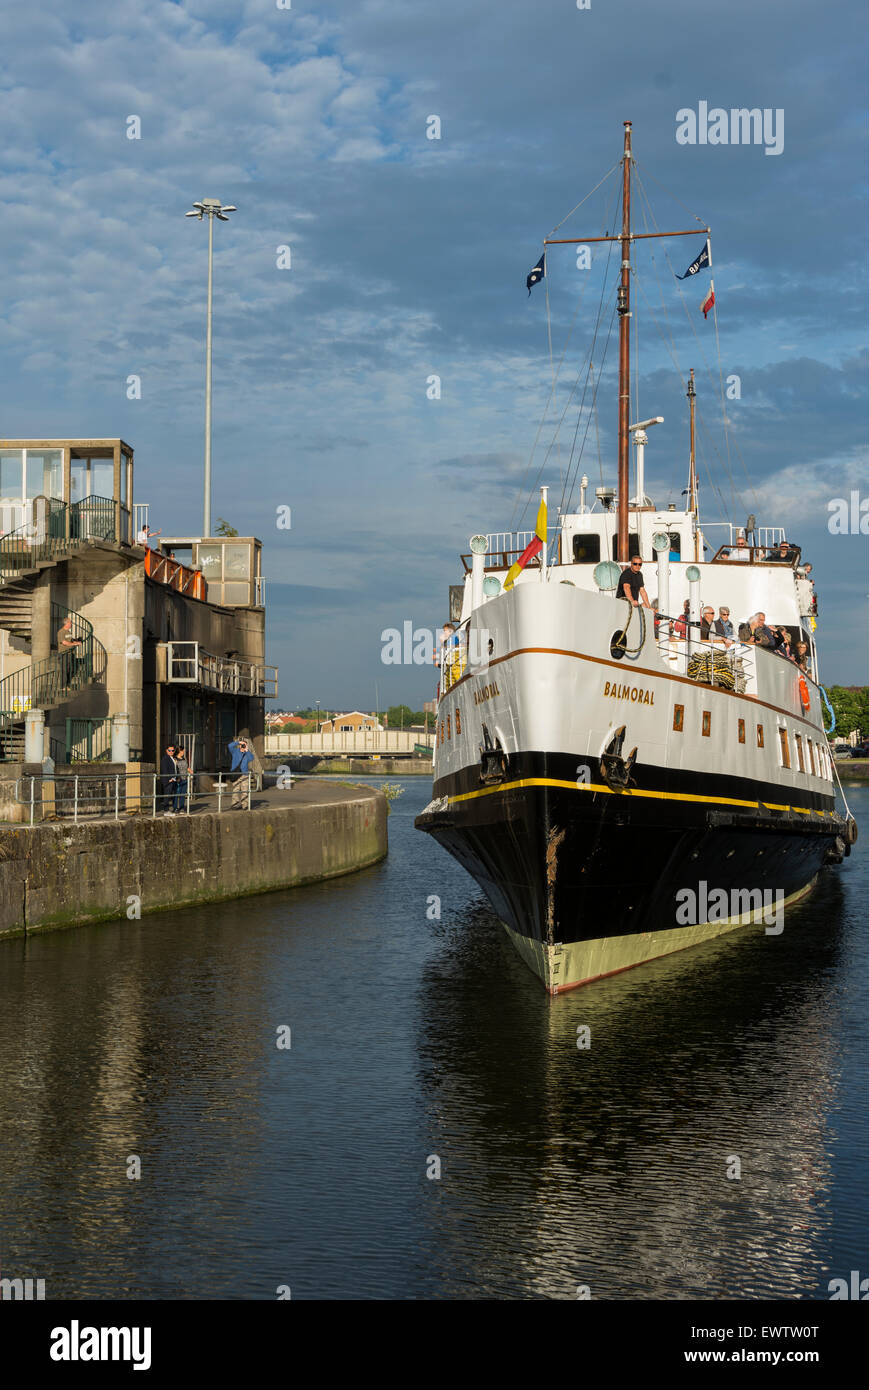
{"points": [[479, 546]]}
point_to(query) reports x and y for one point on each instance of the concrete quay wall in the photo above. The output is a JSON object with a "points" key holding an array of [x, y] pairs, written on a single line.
{"points": [[59, 875]]}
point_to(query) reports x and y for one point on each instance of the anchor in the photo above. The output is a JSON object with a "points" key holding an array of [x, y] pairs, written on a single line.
{"points": [[616, 770], [493, 760]]}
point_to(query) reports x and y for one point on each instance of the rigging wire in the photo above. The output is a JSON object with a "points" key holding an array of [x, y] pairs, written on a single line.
{"points": [[671, 348], [521, 491], [725, 419], [568, 215], [592, 414], [567, 493]]}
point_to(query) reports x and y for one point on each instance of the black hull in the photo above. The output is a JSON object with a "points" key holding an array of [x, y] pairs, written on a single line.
{"points": [[561, 865]]}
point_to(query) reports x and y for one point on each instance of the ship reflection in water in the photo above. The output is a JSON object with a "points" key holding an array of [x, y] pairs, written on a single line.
{"points": [[607, 1166], [561, 1167]]}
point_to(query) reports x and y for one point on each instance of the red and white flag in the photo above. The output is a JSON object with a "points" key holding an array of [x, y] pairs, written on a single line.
{"points": [[709, 300]]}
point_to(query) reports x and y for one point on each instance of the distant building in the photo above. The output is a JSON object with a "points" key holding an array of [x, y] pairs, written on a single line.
{"points": [[94, 624], [349, 723]]}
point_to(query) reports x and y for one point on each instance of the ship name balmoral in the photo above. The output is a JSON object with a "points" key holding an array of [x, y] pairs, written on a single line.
{"points": [[486, 693], [634, 693]]}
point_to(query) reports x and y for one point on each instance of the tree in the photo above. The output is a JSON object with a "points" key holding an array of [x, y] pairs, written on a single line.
{"points": [[851, 708], [223, 528]]}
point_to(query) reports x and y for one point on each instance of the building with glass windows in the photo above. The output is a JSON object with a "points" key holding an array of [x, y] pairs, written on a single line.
{"points": [[94, 624]]}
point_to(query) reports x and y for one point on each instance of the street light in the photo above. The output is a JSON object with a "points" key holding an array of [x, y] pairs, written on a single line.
{"points": [[318, 716], [210, 208]]}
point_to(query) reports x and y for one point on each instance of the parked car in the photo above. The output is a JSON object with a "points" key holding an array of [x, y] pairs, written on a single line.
{"points": [[842, 750], [860, 751]]}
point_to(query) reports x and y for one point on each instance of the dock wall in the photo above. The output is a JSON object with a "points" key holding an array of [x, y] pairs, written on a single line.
{"points": [[62, 875]]}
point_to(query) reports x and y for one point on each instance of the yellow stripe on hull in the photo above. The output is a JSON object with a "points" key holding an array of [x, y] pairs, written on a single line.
{"points": [[573, 963]]}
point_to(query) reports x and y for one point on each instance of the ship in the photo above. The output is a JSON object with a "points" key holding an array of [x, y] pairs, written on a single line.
{"points": [[625, 781]]}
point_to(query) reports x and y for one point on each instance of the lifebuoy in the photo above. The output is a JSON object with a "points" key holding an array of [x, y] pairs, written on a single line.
{"points": [[804, 692]]}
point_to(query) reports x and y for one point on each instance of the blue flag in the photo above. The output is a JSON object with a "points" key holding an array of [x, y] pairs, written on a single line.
{"points": [[701, 263], [537, 273]]}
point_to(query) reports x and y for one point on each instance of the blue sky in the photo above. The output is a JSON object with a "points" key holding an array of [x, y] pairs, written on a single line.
{"points": [[409, 257]]}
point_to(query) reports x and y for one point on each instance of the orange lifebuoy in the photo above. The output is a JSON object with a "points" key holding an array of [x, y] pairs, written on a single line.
{"points": [[804, 692]]}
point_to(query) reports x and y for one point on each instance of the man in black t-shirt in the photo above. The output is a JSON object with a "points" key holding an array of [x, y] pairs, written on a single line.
{"points": [[630, 584]]}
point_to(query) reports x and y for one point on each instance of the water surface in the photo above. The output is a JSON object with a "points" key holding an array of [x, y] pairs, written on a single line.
{"points": [[420, 1041]]}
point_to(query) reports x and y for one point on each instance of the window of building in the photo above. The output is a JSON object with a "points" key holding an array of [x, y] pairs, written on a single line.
{"points": [[679, 718], [29, 473], [586, 549], [760, 735], [800, 759], [89, 477], [741, 730], [707, 723], [785, 748]]}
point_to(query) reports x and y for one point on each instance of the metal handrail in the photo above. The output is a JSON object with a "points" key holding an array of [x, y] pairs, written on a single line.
{"points": [[42, 538], [188, 663], [108, 793], [56, 528], [52, 681]]}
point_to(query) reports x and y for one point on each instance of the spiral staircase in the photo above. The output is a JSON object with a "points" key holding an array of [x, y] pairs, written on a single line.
{"points": [[55, 532]]}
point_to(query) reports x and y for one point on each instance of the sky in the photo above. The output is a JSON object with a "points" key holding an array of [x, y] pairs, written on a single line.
{"points": [[407, 260]]}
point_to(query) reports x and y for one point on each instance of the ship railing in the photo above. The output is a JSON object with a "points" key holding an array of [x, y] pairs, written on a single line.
{"points": [[467, 648], [122, 795], [723, 662], [504, 547]]}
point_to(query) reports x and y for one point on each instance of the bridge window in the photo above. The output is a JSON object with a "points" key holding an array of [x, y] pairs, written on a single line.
{"points": [[812, 756], [760, 735], [678, 718], [586, 548], [449, 732], [458, 721], [800, 759], [675, 545], [741, 730], [707, 723], [785, 748]]}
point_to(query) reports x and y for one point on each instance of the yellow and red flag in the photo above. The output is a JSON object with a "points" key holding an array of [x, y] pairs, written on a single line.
{"points": [[533, 548]]}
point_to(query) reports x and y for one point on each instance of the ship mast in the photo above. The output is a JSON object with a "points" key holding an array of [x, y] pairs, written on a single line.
{"points": [[624, 312], [692, 467], [623, 307]]}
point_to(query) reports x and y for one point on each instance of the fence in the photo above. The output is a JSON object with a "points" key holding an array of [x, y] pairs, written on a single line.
{"points": [[115, 794]]}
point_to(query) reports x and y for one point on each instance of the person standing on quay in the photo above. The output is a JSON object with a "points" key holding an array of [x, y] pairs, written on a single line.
{"points": [[242, 762], [168, 776], [183, 771]]}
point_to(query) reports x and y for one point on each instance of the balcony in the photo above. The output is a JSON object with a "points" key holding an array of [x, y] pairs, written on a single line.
{"points": [[188, 663]]}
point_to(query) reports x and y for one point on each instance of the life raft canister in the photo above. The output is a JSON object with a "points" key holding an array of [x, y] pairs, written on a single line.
{"points": [[804, 692]]}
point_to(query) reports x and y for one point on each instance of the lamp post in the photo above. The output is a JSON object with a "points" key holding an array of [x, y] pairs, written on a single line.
{"points": [[318, 716], [210, 208]]}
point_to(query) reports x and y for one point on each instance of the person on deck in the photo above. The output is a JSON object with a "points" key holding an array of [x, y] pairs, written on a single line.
{"points": [[740, 550], [680, 626], [723, 626], [631, 584]]}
